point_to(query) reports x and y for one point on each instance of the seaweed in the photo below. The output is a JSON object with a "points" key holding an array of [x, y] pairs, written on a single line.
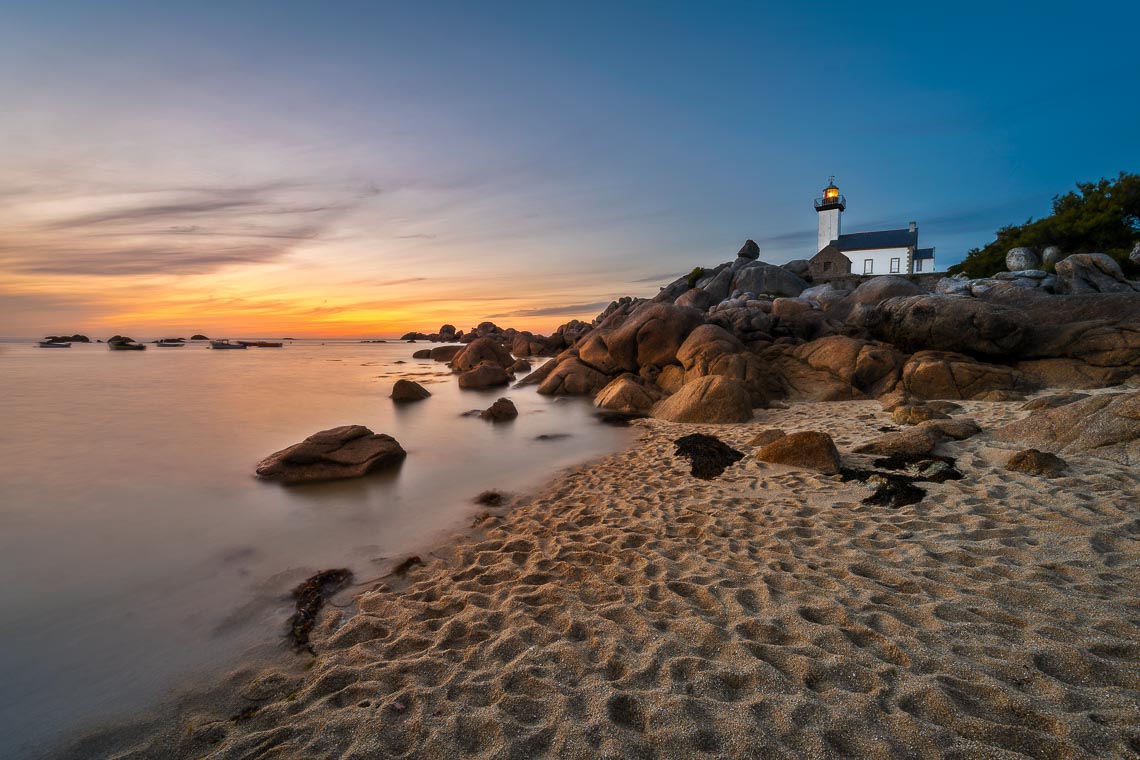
{"points": [[310, 596], [402, 569], [709, 455]]}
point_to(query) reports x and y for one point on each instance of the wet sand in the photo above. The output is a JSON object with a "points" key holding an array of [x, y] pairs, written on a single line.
{"points": [[631, 610]]}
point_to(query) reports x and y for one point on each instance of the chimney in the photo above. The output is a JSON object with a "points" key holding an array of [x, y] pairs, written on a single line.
{"points": [[914, 226]]}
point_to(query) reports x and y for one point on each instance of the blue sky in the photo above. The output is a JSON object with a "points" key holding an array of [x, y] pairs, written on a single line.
{"points": [[524, 161]]}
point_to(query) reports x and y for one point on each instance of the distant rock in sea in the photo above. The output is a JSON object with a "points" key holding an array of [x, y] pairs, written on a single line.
{"points": [[408, 390]]}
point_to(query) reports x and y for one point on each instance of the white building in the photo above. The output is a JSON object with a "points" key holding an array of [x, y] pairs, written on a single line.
{"points": [[881, 252]]}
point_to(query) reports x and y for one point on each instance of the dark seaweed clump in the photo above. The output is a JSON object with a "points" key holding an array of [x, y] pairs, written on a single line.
{"points": [[310, 596], [892, 489], [709, 455]]}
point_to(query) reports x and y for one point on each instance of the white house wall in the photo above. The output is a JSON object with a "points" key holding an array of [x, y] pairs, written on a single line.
{"points": [[880, 258]]}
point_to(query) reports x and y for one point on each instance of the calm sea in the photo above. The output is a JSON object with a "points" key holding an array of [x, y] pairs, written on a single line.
{"points": [[136, 547]]}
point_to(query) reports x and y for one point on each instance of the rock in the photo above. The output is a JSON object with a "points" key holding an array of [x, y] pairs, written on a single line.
{"points": [[760, 278], [711, 399], [198, 337], [718, 287], [957, 285], [1134, 255], [1091, 273], [502, 410], [1034, 462], [749, 251], [810, 450], [913, 414], [1050, 256], [695, 298], [349, 451], [998, 395], [704, 346], [570, 377], [627, 395], [1053, 401], [879, 289], [870, 368], [479, 351], [485, 375], [650, 335], [746, 323], [946, 375], [423, 353], [764, 437], [520, 365], [1022, 258], [708, 455], [955, 430], [915, 442], [408, 390], [946, 407], [798, 267], [443, 353], [947, 323], [671, 379], [1106, 425], [447, 333]]}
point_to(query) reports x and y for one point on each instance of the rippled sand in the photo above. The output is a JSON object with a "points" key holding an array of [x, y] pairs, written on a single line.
{"points": [[631, 610]]}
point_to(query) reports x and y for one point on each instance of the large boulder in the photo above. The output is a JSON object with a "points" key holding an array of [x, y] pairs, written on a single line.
{"points": [[696, 298], [1022, 258], [750, 324], [409, 390], [879, 289], [809, 450], [798, 267], [628, 396], [1050, 256], [1107, 425], [749, 250], [719, 286], [1091, 273], [349, 451], [486, 374], [947, 323], [1134, 256], [479, 351], [704, 345], [760, 278], [947, 375], [570, 377], [871, 368], [711, 399], [650, 335]]}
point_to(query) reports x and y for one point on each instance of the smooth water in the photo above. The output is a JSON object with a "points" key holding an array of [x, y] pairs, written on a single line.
{"points": [[137, 548]]}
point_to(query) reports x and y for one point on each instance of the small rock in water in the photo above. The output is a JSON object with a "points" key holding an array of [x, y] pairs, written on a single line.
{"points": [[502, 410], [709, 455], [551, 436], [491, 498], [409, 390]]}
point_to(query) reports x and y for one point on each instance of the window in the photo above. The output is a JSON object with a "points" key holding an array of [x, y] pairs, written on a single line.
{"points": [[868, 266], [894, 266], [827, 266], [918, 265]]}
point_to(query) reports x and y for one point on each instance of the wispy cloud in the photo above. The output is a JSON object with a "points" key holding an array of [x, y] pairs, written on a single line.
{"points": [[552, 311], [659, 278]]}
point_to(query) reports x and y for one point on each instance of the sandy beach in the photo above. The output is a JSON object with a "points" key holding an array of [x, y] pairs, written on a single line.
{"points": [[630, 610]]}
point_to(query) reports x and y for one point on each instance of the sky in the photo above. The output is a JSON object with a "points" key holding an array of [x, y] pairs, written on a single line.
{"points": [[368, 168]]}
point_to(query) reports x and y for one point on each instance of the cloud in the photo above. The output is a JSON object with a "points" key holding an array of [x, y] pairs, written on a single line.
{"points": [[552, 311], [657, 278], [173, 232], [405, 281]]}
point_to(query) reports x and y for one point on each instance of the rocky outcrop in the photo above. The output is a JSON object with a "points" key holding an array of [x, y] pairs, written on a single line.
{"points": [[809, 450], [944, 323], [486, 374], [760, 278], [879, 289], [869, 367], [570, 377], [1091, 273], [408, 390], [947, 375], [349, 451], [711, 399], [650, 335], [1106, 425]]}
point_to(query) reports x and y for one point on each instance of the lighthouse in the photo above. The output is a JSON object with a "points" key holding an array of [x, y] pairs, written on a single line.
{"points": [[828, 208]]}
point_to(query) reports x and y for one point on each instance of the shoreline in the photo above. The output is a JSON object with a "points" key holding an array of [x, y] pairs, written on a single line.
{"points": [[627, 608]]}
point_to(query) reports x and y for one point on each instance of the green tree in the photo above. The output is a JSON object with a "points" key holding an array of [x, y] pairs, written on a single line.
{"points": [[1100, 217]]}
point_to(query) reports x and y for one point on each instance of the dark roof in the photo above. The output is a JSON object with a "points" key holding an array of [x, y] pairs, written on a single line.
{"points": [[924, 253], [862, 241]]}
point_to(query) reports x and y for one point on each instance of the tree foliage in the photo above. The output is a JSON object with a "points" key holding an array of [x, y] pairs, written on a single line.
{"points": [[1098, 217]]}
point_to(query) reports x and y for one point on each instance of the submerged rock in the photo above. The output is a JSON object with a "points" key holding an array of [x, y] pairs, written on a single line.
{"points": [[502, 410], [349, 451], [708, 455]]}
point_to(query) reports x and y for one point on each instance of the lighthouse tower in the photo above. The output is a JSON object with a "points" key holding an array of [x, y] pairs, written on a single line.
{"points": [[829, 208]]}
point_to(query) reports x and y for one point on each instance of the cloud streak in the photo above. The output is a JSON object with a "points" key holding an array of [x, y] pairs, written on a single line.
{"points": [[555, 311]]}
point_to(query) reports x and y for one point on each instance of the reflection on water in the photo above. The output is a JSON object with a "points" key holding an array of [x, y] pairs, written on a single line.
{"points": [[136, 545]]}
